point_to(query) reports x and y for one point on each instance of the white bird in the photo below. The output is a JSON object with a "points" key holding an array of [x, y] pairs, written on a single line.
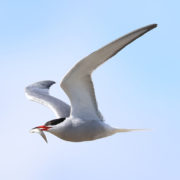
{"points": [[83, 120]]}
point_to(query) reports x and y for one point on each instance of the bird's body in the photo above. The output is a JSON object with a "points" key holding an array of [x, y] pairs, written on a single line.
{"points": [[82, 121], [77, 130]]}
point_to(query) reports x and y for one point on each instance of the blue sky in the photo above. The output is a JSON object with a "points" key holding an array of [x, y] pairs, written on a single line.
{"points": [[138, 88]]}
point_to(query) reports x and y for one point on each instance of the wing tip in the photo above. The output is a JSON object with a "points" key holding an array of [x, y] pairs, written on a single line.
{"points": [[152, 26], [145, 29], [41, 84]]}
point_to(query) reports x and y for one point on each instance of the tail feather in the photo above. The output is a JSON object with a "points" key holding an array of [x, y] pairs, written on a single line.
{"points": [[131, 130]]}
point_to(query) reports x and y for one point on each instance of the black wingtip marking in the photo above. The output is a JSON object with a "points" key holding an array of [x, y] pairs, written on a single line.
{"points": [[46, 84], [153, 26]]}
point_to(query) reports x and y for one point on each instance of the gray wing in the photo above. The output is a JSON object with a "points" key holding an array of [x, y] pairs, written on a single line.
{"points": [[77, 83], [39, 92]]}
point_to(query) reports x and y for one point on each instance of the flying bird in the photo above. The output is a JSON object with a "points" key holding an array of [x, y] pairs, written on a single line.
{"points": [[82, 121]]}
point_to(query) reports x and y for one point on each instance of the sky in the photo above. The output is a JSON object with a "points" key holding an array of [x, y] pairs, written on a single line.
{"points": [[138, 88]]}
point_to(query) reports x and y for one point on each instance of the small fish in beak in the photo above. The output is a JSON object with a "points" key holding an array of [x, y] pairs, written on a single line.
{"points": [[39, 131]]}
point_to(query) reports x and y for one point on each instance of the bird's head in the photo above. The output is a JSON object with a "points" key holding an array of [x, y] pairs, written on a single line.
{"points": [[46, 127], [40, 130]]}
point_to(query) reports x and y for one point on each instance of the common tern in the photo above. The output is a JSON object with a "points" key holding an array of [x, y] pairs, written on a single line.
{"points": [[82, 121]]}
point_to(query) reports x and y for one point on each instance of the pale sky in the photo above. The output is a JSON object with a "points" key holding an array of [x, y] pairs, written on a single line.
{"points": [[138, 88]]}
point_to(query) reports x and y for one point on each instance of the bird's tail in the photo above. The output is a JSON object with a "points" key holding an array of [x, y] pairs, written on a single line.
{"points": [[130, 130]]}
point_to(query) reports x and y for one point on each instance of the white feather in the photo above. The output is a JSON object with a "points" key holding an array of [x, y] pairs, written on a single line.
{"points": [[77, 83], [39, 92]]}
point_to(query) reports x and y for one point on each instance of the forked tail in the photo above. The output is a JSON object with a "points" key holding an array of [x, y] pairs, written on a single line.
{"points": [[130, 130]]}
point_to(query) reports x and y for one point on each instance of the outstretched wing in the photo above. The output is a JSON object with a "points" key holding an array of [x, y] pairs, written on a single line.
{"points": [[39, 92], [77, 83]]}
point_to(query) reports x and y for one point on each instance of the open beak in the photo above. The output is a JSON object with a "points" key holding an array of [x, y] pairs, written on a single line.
{"points": [[39, 131]]}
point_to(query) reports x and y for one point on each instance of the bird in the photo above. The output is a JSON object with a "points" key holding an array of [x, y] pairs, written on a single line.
{"points": [[82, 120]]}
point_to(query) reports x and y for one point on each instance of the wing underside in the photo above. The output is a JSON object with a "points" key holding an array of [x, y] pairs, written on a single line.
{"points": [[78, 85], [39, 92]]}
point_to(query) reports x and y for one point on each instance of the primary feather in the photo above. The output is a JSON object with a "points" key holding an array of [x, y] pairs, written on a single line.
{"points": [[39, 92], [77, 83]]}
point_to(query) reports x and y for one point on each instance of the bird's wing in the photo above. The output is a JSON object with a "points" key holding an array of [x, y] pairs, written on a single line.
{"points": [[77, 83], [39, 92]]}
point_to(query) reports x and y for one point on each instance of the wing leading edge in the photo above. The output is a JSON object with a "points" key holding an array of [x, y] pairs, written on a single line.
{"points": [[77, 83]]}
